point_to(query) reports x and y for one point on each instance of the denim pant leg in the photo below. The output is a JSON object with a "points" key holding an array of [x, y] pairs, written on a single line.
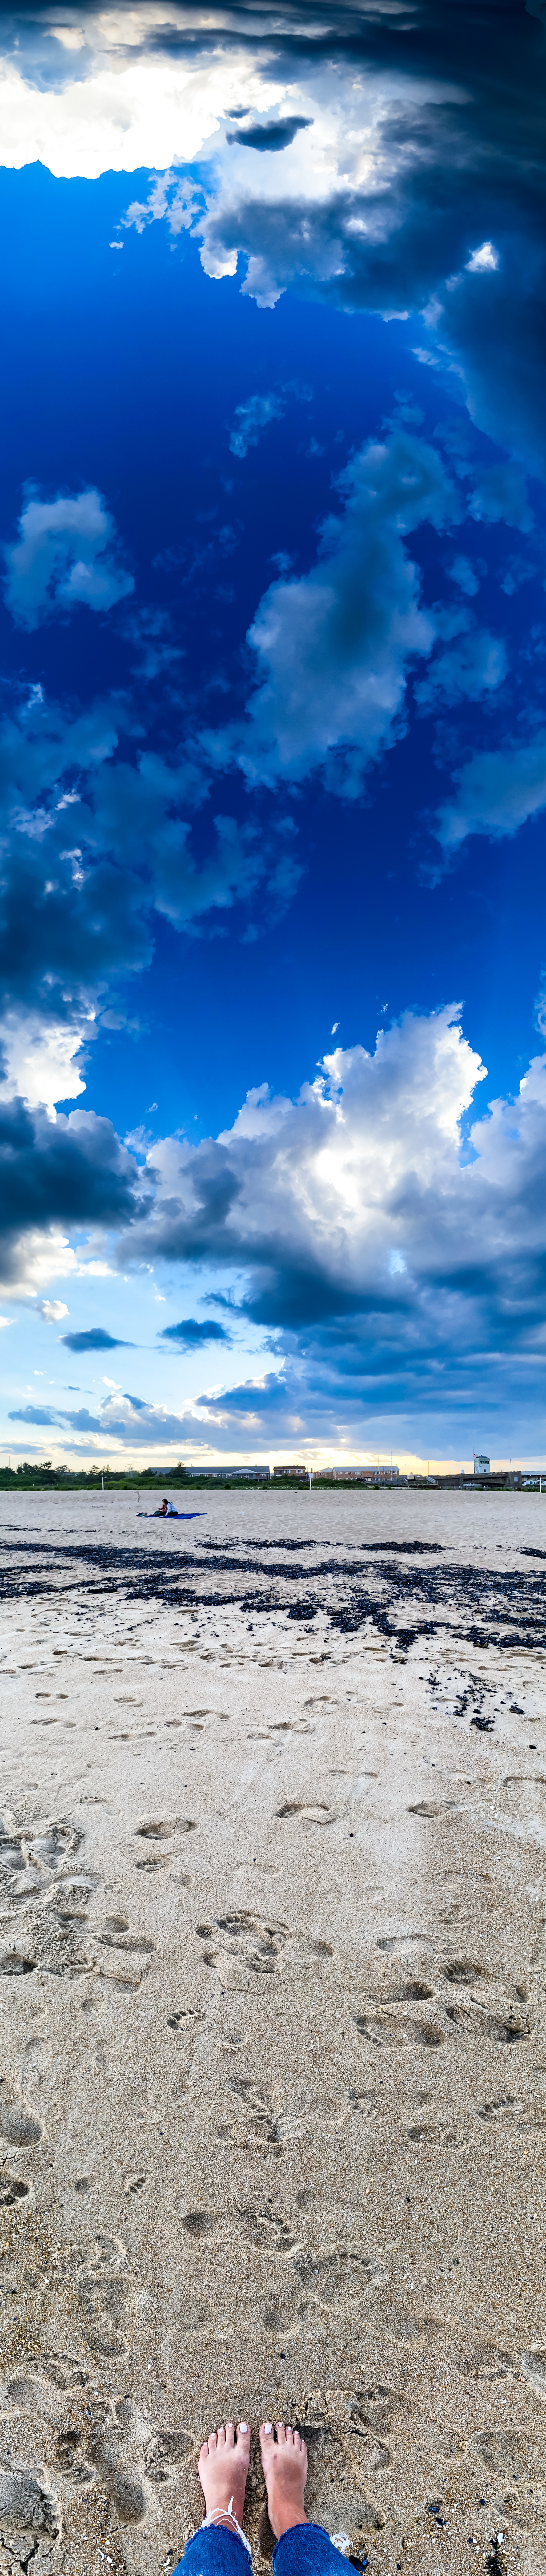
{"points": [[214, 2552], [306, 2550]]}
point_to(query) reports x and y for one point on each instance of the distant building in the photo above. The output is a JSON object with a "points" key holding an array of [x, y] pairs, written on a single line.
{"points": [[230, 1475], [280, 1472], [482, 1465], [358, 1475]]}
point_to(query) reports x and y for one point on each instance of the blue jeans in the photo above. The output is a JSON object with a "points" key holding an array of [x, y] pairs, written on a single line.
{"points": [[305, 2550]]}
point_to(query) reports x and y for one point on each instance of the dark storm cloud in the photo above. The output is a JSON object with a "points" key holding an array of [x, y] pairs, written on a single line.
{"points": [[191, 1335], [270, 138], [70, 1173], [433, 122], [95, 1340]]}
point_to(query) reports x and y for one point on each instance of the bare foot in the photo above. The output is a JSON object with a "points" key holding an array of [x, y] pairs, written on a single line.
{"points": [[284, 2464], [223, 2469]]}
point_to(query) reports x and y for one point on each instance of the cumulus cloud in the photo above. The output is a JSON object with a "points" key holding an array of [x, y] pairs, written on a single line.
{"points": [[67, 556], [384, 163], [496, 793], [484, 257], [391, 1255], [94, 843], [57, 1181], [124, 1420], [323, 1174], [334, 647]]}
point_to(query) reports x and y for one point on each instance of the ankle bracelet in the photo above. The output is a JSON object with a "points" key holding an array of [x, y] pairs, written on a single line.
{"points": [[228, 2515]]}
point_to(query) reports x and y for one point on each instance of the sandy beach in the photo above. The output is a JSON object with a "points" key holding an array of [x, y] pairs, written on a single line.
{"points": [[272, 1976]]}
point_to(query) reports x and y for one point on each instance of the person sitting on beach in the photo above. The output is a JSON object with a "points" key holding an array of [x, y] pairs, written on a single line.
{"points": [[302, 2548]]}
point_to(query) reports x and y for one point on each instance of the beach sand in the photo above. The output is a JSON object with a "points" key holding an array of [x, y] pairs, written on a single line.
{"points": [[272, 1978]]}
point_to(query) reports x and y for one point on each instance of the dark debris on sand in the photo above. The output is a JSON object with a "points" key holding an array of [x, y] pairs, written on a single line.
{"points": [[382, 1585]]}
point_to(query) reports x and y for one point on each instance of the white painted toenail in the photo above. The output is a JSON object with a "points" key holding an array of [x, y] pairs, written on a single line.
{"points": [[268, 2428], [243, 2428]]}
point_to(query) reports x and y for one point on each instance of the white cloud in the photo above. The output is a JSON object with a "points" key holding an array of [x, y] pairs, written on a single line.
{"points": [[496, 793], [122, 107], [383, 1245], [251, 418], [42, 1253], [319, 1184], [465, 574], [467, 669], [335, 647], [53, 1310], [400, 1261], [177, 202], [500, 492], [83, 868], [355, 207], [485, 257], [39, 1059], [66, 556]]}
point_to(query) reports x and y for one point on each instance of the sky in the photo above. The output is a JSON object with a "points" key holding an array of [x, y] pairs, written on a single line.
{"points": [[273, 755]]}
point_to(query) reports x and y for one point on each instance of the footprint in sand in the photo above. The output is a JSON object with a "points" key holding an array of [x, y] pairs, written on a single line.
{"points": [[411, 1991], [339, 2279], [512, 2032], [26, 2510], [363, 2103], [105, 2295], [388, 2030], [185, 2019], [70, 1897], [133, 1947], [335, 2493], [426, 1807], [315, 1811], [39, 1873], [463, 1972], [533, 2365], [266, 2227], [256, 2114], [165, 2451], [155, 1860], [159, 1829], [99, 2446], [245, 1937], [17, 2123]]}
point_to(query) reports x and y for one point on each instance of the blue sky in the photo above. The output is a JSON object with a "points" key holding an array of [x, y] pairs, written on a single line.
{"points": [[273, 643]]}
